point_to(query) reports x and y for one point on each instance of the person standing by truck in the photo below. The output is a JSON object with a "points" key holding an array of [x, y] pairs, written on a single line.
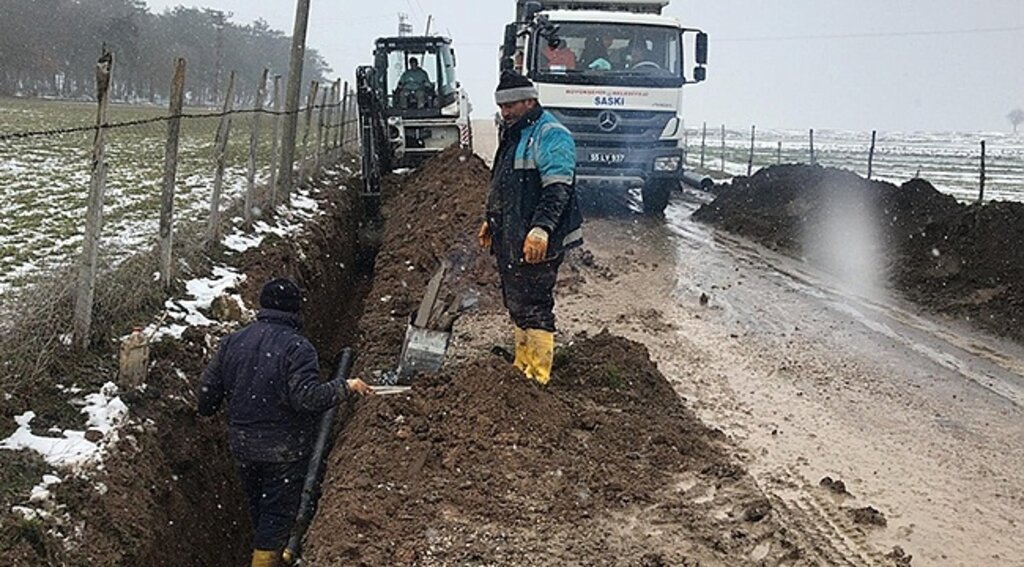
{"points": [[269, 375], [532, 218]]}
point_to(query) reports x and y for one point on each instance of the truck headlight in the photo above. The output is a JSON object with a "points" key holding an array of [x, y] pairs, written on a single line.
{"points": [[667, 163]]}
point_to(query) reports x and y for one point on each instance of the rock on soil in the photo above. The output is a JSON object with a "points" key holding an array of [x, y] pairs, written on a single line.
{"points": [[963, 260]]}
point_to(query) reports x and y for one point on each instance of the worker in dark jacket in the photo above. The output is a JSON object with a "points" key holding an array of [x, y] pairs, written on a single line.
{"points": [[532, 218], [269, 375]]}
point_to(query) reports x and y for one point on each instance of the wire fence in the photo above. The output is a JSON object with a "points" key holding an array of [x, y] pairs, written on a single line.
{"points": [[51, 162], [969, 166]]}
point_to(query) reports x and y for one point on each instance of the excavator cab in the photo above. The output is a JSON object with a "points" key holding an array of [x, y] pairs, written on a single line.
{"points": [[411, 106], [418, 75]]}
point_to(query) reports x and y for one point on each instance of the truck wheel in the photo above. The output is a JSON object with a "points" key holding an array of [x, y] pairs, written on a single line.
{"points": [[655, 194]]}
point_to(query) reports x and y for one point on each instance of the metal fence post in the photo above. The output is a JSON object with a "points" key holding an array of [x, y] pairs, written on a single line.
{"points": [[221, 152], [170, 174], [703, 142], [750, 160], [275, 142], [813, 161], [981, 191], [94, 214], [254, 142], [871, 154], [686, 143], [723, 148]]}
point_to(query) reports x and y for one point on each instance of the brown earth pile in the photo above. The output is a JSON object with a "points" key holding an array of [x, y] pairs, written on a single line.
{"points": [[481, 466], [429, 216], [957, 259]]}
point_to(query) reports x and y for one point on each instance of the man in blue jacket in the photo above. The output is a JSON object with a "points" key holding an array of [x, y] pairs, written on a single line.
{"points": [[269, 375], [532, 218]]}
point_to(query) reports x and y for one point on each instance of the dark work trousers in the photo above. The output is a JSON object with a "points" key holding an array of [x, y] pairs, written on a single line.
{"points": [[274, 491], [529, 292]]}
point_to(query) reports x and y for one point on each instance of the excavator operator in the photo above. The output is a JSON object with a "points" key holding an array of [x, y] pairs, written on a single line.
{"points": [[413, 84]]}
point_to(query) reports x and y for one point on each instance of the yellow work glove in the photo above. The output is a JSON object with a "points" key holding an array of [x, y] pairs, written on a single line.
{"points": [[535, 249], [484, 236]]}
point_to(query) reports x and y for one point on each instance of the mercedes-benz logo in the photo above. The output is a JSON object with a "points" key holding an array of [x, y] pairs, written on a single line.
{"points": [[608, 121]]}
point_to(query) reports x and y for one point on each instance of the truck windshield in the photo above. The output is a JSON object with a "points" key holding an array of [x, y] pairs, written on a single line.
{"points": [[609, 54]]}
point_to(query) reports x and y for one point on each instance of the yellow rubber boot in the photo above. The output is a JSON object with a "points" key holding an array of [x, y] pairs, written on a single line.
{"points": [[540, 354], [265, 558], [520, 361]]}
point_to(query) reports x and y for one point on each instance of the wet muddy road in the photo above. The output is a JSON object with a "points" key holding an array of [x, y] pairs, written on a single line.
{"points": [[920, 417]]}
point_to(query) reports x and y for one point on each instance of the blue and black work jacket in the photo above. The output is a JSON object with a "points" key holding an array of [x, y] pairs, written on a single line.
{"points": [[533, 184], [269, 374]]}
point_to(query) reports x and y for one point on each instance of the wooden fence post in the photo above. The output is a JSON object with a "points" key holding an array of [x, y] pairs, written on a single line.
{"points": [[871, 154], [171, 174], [703, 143], [254, 142], [723, 148], [778, 154], [314, 89], [221, 153], [750, 160], [344, 119], [318, 154], [94, 213], [335, 114], [812, 147], [981, 192], [275, 142]]}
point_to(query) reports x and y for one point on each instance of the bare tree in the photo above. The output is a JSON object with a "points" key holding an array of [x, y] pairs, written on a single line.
{"points": [[1016, 118]]}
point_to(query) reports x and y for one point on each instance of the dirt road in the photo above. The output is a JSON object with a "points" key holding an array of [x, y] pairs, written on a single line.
{"points": [[921, 418]]}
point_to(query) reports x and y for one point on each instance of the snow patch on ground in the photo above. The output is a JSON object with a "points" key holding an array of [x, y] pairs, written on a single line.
{"points": [[106, 412]]}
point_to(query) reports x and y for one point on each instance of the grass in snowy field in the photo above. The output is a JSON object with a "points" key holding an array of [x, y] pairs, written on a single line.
{"points": [[950, 161], [45, 180]]}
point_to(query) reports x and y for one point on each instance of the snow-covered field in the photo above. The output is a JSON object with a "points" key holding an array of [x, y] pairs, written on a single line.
{"points": [[45, 181], [949, 160]]}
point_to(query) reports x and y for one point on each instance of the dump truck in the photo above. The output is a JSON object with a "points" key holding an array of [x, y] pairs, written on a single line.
{"points": [[613, 72], [411, 105]]}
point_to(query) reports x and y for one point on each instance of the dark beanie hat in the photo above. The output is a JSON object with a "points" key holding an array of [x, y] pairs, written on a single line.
{"points": [[514, 87], [281, 294]]}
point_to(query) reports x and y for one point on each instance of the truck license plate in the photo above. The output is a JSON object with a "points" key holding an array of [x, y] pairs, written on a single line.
{"points": [[607, 157]]}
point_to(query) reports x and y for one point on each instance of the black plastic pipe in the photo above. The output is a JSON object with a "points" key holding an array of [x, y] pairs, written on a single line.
{"points": [[698, 181], [317, 463]]}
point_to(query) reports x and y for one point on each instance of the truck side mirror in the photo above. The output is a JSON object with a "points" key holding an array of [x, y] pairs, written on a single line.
{"points": [[700, 74], [702, 48], [531, 9]]}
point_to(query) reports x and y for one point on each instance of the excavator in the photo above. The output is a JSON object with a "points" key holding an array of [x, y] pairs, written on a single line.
{"points": [[411, 106]]}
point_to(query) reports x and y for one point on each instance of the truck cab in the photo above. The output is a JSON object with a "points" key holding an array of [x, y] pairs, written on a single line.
{"points": [[613, 73]]}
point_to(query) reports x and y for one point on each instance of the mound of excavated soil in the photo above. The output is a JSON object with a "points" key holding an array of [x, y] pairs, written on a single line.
{"points": [[429, 216], [481, 466], [958, 259]]}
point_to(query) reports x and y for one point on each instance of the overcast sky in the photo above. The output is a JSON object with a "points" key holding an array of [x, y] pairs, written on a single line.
{"points": [[935, 65]]}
